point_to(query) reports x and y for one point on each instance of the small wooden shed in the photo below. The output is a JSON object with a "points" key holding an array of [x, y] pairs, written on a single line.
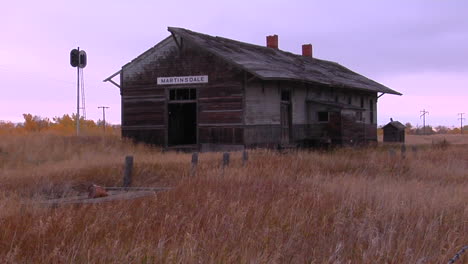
{"points": [[394, 132]]}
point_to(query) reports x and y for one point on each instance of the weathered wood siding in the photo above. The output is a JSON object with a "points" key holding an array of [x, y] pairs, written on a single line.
{"points": [[219, 102], [262, 114], [393, 134], [143, 102]]}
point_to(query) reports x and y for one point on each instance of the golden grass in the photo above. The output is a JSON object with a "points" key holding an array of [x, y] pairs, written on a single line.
{"points": [[346, 206], [454, 139]]}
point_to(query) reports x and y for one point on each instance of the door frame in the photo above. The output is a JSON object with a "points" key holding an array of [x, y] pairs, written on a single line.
{"points": [[169, 101], [286, 101]]}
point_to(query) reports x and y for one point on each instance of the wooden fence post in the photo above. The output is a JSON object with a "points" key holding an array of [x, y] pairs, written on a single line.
{"points": [[415, 150], [245, 157], [225, 161], [127, 178], [391, 153], [194, 163]]}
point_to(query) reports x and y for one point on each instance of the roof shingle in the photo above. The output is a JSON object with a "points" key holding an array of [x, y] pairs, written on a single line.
{"points": [[272, 64]]}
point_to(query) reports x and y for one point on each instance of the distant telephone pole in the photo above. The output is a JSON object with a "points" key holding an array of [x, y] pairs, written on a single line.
{"points": [[423, 115], [461, 121], [104, 116]]}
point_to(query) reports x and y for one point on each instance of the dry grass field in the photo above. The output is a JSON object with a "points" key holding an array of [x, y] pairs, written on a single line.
{"points": [[344, 206], [454, 139]]}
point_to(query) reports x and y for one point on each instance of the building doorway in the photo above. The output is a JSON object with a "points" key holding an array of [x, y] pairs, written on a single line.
{"points": [[182, 117], [285, 117]]}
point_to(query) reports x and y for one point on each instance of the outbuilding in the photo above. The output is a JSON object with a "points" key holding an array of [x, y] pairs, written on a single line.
{"points": [[212, 93], [394, 132]]}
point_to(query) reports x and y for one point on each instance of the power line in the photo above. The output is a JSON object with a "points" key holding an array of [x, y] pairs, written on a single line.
{"points": [[461, 118], [423, 116]]}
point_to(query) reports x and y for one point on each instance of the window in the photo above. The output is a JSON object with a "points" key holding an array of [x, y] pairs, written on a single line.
{"points": [[350, 101], [285, 96], [358, 116], [182, 94], [336, 98], [371, 113], [322, 116], [362, 101]]}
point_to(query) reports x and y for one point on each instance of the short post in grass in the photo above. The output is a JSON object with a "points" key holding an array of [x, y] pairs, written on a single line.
{"points": [[225, 160], [403, 151], [194, 163], [391, 153], [245, 157], [415, 150], [127, 178]]}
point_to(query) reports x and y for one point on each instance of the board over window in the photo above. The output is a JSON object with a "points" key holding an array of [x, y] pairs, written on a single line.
{"points": [[371, 112], [359, 116]]}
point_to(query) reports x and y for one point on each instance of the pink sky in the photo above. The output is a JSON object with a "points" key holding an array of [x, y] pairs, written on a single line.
{"points": [[419, 48]]}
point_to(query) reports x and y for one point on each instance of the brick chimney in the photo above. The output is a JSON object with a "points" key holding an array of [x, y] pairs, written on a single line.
{"points": [[307, 50], [272, 41]]}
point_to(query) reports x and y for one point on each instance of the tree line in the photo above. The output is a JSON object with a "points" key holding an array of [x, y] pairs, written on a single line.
{"points": [[64, 125]]}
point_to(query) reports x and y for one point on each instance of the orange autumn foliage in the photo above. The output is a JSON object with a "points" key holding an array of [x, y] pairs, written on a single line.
{"points": [[64, 125]]}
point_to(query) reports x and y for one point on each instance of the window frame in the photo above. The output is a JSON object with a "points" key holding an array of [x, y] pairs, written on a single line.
{"points": [[319, 115], [177, 94]]}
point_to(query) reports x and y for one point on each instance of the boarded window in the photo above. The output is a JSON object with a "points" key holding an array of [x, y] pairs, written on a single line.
{"points": [[322, 116], [359, 115]]}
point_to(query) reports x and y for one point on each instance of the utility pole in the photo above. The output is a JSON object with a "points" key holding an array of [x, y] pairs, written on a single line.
{"points": [[104, 116], [423, 115], [461, 121]]}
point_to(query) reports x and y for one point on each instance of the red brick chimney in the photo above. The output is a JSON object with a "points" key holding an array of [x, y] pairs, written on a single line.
{"points": [[272, 41], [307, 50]]}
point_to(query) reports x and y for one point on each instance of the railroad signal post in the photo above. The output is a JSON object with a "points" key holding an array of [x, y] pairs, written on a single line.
{"points": [[78, 59]]}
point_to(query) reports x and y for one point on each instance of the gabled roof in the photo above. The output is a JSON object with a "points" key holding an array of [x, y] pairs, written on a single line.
{"points": [[396, 124], [272, 64]]}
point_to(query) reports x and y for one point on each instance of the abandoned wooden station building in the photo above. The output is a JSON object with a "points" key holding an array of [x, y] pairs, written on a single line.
{"points": [[214, 93]]}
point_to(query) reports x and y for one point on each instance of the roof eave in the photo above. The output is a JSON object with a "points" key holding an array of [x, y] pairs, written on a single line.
{"points": [[387, 91]]}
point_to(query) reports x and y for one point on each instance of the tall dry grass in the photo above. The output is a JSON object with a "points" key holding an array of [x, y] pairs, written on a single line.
{"points": [[346, 206]]}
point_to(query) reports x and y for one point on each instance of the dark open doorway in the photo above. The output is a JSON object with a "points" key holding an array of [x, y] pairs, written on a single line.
{"points": [[285, 116], [182, 124]]}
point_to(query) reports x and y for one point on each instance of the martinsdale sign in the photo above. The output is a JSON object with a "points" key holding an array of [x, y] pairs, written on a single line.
{"points": [[183, 79]]}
